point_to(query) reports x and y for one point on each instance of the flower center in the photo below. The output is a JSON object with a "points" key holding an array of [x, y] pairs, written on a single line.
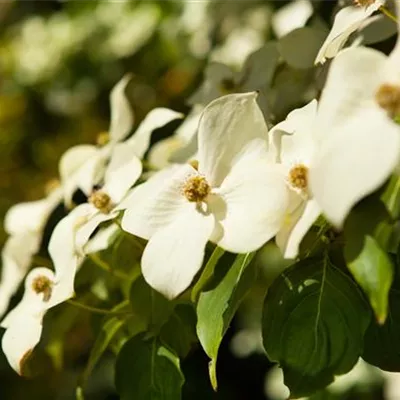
{"points": [[42, 284], [101, 201], [364, 3], [102, 138], [298, 177], [196, 188], [388, 97]]}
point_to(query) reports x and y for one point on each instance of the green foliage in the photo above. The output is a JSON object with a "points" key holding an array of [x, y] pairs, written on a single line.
{"points": [[313, 324], [147, 370], [219, 301]]}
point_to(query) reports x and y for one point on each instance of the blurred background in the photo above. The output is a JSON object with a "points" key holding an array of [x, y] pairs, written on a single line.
{"points": [[58, 63]]}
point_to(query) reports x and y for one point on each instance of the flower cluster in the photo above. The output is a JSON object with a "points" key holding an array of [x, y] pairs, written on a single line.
{"points": [[224, 177]]}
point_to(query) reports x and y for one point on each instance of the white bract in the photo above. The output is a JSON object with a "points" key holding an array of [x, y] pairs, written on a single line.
{"points": [[359, 142], [234, 197], [293, 144], [83, 166], [25, 223], [347, 21]]}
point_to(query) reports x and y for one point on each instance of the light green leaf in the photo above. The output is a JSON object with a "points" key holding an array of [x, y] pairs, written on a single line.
{"points": [[219, 301], [391, 196], [373, 271], [314, 320], [367, 234], [207, 273], [300, 47], [146, 370]]}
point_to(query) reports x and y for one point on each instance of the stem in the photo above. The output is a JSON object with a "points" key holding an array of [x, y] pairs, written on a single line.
{"points": [[103, 265], [95, 309], [385, 11]]}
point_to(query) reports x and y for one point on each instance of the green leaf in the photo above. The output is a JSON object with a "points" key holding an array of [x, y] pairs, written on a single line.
{"points": [[179, 332], [314, 319], [381, 342], [146, 370], [373, 271], [108, 331], [367, 233], [207, 273], [149, 305], [219, 301], [391, 196], [300, 47]]}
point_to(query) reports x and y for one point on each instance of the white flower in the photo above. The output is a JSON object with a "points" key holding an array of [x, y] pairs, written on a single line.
{"points": [[347, 147], [293, 144], [235, 197], [347, 21], [122, 172], [359, 141], [25, 222], [83, 166]]}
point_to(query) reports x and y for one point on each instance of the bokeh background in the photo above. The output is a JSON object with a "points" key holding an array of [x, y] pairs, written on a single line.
{"points": [[58, 63]]}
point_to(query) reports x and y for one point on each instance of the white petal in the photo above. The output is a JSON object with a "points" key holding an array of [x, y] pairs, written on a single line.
{"points": [[32, 303], [347, 21], [352, 82], [16, 258], [102, 240], [72, 163], [292, 139], [251, 202], [156, 203], [161, 152], [175, 253], [122, 172], [155, 119], [84, 232], [31, 216], [227, 125], [353, 162], [63, 250], [121, 111], [20, 339], [296, 225]]}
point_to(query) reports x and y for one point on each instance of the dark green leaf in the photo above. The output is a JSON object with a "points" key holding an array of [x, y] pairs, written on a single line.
{"points": [[219, 301], [314, 320], [146, 370], [179, 332], [150, 305]]}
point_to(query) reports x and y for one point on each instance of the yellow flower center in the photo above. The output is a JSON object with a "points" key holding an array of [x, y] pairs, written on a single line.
{"points": [[42, 284], [102, 138], [196, 188], [388, 97], [364, 3], [298, 176], [51, 185], [101, 201]]}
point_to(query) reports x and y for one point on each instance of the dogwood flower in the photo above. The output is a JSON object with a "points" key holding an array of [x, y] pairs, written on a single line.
{"points": [[293, 143], [359, 141], [234, 196], [347, 21], [83, 166], [25, 223], [103, 204]]}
